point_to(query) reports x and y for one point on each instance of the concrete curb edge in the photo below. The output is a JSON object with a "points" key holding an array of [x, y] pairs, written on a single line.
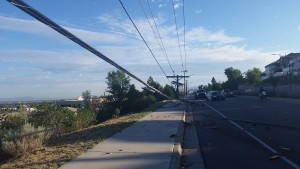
{"points": [[175, 162]]}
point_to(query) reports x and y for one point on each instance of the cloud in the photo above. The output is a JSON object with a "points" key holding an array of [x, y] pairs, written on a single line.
{"points": [[162, 5], [178, 5], [203, 35], [80, 70], [53, 61], [197, 11], [37, 28]]}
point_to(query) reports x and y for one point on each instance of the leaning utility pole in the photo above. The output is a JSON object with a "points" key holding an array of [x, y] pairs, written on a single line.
{"points": [[177, 83]]}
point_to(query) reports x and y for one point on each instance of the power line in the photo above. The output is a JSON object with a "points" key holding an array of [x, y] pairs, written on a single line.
{"points": [[183, 12], [174, 13], [42, 18], [163, 46], [142, 38]]}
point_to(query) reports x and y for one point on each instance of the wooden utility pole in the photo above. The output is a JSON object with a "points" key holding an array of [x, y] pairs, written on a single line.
{"points": [[177, 77]]}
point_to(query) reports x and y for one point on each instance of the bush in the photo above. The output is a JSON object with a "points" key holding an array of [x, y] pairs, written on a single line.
{"points": [[84, 118], [116, 113], [59, 120], [142, 102], [108, 111], [13, 122], [19, 137], [19, 142]]}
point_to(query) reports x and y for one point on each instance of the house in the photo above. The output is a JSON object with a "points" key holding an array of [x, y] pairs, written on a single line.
{"points": [[283, 66], [294, 64]]}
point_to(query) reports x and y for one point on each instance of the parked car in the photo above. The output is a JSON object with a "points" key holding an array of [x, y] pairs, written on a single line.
{"points": [[227, 92], [200, 94], [215, 95]]}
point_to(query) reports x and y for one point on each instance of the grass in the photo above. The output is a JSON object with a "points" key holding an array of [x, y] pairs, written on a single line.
{"points": [[61, 150]]}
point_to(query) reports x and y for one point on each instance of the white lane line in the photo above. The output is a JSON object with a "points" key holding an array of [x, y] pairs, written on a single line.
{"points": [[257, 139]]}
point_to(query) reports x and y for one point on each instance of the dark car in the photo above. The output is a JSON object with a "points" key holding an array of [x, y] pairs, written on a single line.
{"points": [[215, 95], [200, 94], [227, 93]]}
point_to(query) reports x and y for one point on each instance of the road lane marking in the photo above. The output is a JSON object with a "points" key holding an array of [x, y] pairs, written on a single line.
{"points": [[257, 139]]}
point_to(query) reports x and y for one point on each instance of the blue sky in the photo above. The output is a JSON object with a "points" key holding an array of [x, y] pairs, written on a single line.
{"points": [[36, 61]]}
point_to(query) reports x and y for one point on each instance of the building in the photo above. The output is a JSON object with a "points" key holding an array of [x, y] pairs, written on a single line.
{"points": [[289, 64], [294, 64], [78, 103]]}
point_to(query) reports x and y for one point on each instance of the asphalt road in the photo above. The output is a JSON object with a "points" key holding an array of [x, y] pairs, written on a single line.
{"points": [[245, 133]]}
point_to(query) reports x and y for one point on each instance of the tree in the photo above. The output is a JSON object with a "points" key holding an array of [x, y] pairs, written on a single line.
{"points": [[154, 84], [234, 77], [117, 84], [169, 90], [232, 74], [87, 97], [213, 81], [133, 93], [215, 85], [253, 76], [60, 120], [157, 86]]}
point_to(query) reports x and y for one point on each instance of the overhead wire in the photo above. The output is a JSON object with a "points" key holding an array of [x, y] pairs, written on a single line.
{"points": [[42, 18], [184, 42], [174, 13], [143, 39], [162, 44]]}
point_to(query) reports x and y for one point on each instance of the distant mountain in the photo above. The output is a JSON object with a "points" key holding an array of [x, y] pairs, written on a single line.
{"points": [[19, 99]]}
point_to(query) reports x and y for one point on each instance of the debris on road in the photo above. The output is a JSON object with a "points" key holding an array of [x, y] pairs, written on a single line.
{"points": [[275, 157]]}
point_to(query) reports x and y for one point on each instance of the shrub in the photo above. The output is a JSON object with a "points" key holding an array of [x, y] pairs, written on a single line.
{"points": [[116, 113], [13, 122], [19, 142], [108, 111], [59, 120], [142, 102], [84, 118]]}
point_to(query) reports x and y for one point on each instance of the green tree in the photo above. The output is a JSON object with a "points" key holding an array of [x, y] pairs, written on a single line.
{"points": [[169, 90], [253, 76], [87, 98], [132, 95], [234, 77], [118, 85], [154, 84], [232, 74], [215, 85], [58, 119], [13, 122], [157, 86]]}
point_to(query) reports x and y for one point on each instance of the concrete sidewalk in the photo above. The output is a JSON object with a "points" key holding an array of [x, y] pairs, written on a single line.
{"points": [[151, 143]]}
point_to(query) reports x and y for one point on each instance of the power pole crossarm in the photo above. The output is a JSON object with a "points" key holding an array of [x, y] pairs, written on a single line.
{"points": [[177, 83]]}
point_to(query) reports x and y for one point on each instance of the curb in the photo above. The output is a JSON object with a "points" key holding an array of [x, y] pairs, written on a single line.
{"points": [[175, 162]]}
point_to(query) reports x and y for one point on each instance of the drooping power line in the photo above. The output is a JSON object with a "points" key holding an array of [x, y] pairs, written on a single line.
{"points": [[174, 13], [143, 39], [162, 44], [39, 16], [183, 12]]}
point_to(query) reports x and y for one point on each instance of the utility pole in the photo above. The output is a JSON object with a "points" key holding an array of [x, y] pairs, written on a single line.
{"points": [[184, 82], [177, 83]]}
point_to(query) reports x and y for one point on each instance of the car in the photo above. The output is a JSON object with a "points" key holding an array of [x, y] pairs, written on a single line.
{"points": [[215, 95], [227, 92], [200, 94]]}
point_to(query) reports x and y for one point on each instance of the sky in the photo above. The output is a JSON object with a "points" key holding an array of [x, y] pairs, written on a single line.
{"points": [[203, 37]]}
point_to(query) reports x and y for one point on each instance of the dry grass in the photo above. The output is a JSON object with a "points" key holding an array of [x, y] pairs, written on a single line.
{"points": [[61, 150]]}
